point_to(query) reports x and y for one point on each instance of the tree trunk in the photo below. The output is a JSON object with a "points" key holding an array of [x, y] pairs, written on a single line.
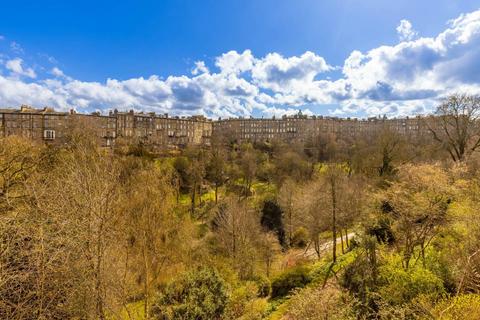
{"points": [[334, 222], [194, 187], [290, 227], [98, 274], [346, 238], [145, 278], [422, 251], [341, 241]]}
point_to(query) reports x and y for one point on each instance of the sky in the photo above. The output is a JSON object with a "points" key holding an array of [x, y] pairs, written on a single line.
{"points": [[229, 58]]}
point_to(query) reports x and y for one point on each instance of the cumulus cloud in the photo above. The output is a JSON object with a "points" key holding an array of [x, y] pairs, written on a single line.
{"points": [[405, 31], [234, 62], [397, 80], [286, 74], [16, 68]]}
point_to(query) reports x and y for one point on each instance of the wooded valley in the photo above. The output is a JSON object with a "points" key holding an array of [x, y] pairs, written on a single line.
{"points": [[381, 226]]}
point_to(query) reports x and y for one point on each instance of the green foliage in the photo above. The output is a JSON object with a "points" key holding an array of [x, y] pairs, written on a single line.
{"points": [[284, 283], [264, 286], [300, 238], [463, 307], [399, 286], [322, 269], [271, 220], [199, 294], [244, 304]]}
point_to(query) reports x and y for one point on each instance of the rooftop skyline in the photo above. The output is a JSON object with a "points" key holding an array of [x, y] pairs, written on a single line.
{"points": [[239, 58]]}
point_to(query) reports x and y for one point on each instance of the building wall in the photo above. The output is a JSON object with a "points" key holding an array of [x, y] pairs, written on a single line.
{"points": [[164, 132], [300, 128]]}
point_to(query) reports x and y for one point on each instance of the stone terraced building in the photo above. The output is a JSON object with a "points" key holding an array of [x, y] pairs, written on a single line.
{"points": [[165, 132]]}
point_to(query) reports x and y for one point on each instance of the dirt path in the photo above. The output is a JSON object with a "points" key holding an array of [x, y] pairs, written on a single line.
{"points": [[310, 252]]}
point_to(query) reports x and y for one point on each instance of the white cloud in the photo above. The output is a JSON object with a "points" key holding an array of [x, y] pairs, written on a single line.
{"points": [[288, 74], [16, 68], [405, 31], [57, 72], [2, 37], [401, 79], [234, 62], [200, 67]]}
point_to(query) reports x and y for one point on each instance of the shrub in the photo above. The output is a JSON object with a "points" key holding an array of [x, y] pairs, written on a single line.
{"points": [[244, 304], [197, 295], [300, 238], [283, 284], [463, 307], [264, 286], [399, 286], [318, 303]]}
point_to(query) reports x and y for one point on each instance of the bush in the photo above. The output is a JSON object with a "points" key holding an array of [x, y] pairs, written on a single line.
{"points": [[398, 286], [318, 303], [283, 284], [463, 307], [264, 286], [198, 295], [300, 238], [244, 304]]}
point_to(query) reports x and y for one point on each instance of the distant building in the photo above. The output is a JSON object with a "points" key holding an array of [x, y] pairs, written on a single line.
{"points": [[299, 128], [159, 131], [164, 132]]}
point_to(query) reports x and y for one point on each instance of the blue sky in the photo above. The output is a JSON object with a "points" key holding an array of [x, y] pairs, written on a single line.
{"points": [[229, 58]]}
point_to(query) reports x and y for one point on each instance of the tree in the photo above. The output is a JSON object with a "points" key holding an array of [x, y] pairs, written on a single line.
{"points": [[416, 205], [268, 247], [388, 143], [313, 203], [237, 232], [248, 167], [271, 220], [326, 204], [334, 179], [350, 205], [152, 232], [18, 159], [290, 165], [287, 200], [62, 232], [216, 170], [455, 125], [191, 171]]}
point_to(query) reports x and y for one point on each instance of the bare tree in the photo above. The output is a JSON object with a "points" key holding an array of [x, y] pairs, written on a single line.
{"points": [[287, 200], [248, 167], [18, 158], [455, 125], [237, 231]]}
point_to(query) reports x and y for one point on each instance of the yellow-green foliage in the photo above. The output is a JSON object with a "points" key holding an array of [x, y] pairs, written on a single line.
{"points": [[291, 279], [321, 269], [132, 311], [399, 285], [464, 307], [314, 303], [244, 303]]}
